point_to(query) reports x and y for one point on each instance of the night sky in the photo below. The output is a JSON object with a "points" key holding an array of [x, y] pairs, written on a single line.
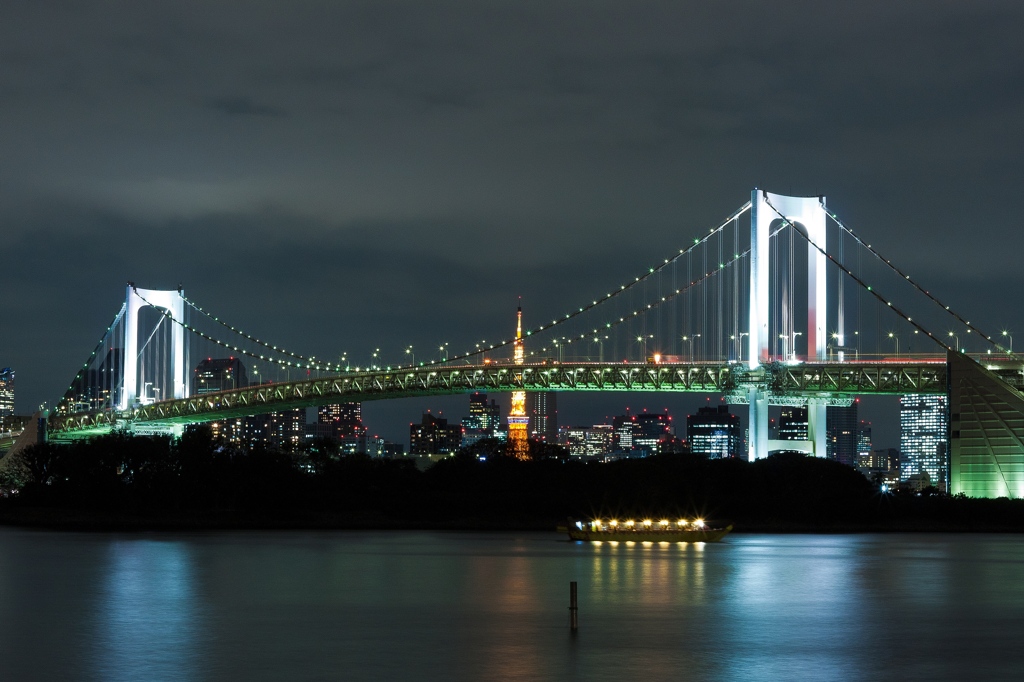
{"points": [[341, 176]]}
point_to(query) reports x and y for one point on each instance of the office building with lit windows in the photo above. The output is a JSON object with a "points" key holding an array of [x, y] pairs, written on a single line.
{"points": [[842, 434], [6, 392], [542, 409], [714, 432], [434, 436], [218, 374], [924, 438], [651, 429], [285, 430], [587, 441], [342, 423], [793, 423], [483, 421], [222, 374]]}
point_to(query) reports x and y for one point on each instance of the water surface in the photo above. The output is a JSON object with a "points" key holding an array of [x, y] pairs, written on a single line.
{"points": [[462, 606]]}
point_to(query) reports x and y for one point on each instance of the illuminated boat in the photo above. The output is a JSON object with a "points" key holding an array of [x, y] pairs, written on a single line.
{"points": [[647, 530]]}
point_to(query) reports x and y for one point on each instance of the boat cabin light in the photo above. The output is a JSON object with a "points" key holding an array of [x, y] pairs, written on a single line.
{"points": [[647, 522], [630, 523], [681, 522], [663, 522], [613, 523], [699, 523]]}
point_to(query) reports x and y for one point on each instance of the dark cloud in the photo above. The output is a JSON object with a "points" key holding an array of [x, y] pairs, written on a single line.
{"points": [[386, 160], [243, 106]]}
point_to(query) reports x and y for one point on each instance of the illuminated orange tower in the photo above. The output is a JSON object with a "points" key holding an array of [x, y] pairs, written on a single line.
{"points": [[518, 436]]}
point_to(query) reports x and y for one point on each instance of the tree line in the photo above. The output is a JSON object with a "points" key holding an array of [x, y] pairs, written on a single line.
{"points": [[122, 476]]}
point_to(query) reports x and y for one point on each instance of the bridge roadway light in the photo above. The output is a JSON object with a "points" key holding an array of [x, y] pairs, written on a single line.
{"points": [[895, 340], [643, 340], [738, 342]]}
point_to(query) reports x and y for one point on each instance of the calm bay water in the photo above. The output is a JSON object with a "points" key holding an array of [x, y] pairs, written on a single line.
{"points": [[461, 606]]}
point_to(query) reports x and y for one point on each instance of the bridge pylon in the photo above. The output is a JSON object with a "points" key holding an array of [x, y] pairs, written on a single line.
{"points": [[174, 303], [808, 214]]}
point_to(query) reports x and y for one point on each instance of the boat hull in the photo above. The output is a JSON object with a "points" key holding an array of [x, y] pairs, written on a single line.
{"points": [[694, 535]]}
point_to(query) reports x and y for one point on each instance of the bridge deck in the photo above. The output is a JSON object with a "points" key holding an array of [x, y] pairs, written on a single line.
{"points": [[827, 379]]}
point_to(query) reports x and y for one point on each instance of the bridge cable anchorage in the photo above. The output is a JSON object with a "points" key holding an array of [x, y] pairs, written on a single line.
{"points": [[865, 285], [906, 278], [624, 288]]}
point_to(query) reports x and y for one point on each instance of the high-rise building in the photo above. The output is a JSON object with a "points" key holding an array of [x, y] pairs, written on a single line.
{"points": [[881, 466], [434, 436], [863, 439], [6, 392], [222, 374], [651, 429], [483, 420], [218, 374], [342, 422], [924, 434], [286, 429], [714, 432], [542, 409], [589, 441], [841, 434], [623, 430], [793, 423]]}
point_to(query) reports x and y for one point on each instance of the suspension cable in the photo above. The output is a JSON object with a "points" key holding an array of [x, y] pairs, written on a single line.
{"points": [[282, 351], [68, 395], [866, 286], [625, 287], [906, 277]]}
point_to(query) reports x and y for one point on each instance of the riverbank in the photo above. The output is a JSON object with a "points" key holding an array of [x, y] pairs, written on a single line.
{"points": [[79, 520]]}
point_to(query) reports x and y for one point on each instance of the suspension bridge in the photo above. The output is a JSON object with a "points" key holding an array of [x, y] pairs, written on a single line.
{"points": [[781, 303]]}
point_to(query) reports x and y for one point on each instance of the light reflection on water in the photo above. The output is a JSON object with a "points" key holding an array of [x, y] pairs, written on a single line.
{"points": [[461, 606], [148, 614]]}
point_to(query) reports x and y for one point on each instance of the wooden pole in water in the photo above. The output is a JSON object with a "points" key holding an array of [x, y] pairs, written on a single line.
{"points": [[574, 622]]}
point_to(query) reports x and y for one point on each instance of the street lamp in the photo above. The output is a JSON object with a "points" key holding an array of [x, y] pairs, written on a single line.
{"points": [[895, 340], [738, 339], [643, 340], [1010, 336], [836, 344], [957, 338], [795, 334], [691, 339], [408, 351], [558, 346], [443, 351]]}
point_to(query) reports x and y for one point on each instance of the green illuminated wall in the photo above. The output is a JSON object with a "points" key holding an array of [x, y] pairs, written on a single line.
{"points": [[986, 432]]}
